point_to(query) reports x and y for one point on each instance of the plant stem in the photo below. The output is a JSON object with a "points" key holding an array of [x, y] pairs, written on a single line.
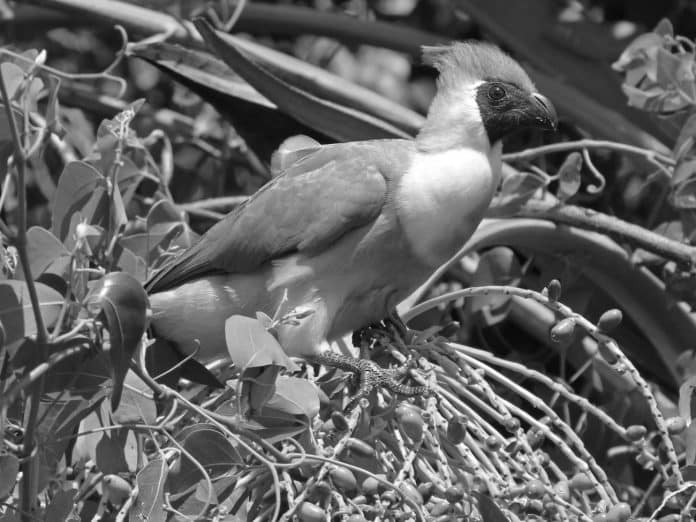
{"points": [[29, 478], [650, 155], [683, 254]]}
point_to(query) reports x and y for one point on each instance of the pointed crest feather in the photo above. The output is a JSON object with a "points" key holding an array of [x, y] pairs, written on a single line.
{"points": [[468, 62]]}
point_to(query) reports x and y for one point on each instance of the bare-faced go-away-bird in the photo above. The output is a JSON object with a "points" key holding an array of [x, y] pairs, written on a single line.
{"points": [[350, 229]]}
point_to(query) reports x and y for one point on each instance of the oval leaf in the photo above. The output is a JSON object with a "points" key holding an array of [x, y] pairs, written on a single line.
{"points": [[123, 303], [46, 253], [149, 505], [16, 314], [250, 345], [77, 191], [295, 396]]}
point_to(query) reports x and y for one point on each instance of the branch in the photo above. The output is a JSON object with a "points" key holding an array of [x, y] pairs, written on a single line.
{"points": [[681, 253]]}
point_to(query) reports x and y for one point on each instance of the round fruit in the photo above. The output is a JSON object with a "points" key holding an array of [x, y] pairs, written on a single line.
{"points": [[563, 330], [456, 430], [370, 486], [453, 494], [343, 478], [580, 482], [409, 491], [311, 513], [554, 290], [339, 421], [493, 443], [636, 432], [609, 320], [411, 422], [360, 447], [511, 424], [675, 425], [535, 489], [621, 512]]}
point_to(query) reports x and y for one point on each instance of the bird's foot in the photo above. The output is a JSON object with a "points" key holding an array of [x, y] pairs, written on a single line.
{"points": [[370, 375]]}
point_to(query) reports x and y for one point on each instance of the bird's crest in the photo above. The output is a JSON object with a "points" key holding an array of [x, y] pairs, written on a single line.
{"points": [[464, 63]]}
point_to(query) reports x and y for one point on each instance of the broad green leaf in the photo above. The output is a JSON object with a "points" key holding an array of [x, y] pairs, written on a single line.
{"points": [[46, 253], [489, 510], [517, 188], [250, 345], [149, 505], [123, 303], [211, 449], [81, 188], [9, 467], [61, 506], [685, 170], [259, 385], [16, 313], [135, 407], [497, 266], [295, 396]]}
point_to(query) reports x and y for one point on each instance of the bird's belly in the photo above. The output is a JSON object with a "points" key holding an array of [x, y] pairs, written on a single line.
{"points": [[349, 285]]}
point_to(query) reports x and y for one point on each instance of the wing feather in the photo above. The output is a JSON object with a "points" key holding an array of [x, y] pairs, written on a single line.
{"points": [[310, 205]]}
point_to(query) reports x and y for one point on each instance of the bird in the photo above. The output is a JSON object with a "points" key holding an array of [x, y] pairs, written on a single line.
{"points": [[345, 231]]}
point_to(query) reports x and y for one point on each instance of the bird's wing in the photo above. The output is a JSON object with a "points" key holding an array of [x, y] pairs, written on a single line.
{"points": [[310, 205]]}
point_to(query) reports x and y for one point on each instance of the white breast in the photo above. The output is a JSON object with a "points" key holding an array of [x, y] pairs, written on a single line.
{"points": [[443, 197]]}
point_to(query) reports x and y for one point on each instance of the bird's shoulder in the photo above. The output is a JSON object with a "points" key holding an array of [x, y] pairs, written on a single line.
{"points": [[327, 192]]}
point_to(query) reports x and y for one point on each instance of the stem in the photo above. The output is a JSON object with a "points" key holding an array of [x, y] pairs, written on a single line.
{"points": [[29, 478], [650, 155], [681, 253]]}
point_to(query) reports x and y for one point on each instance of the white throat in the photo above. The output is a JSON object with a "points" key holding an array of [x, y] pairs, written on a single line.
{"points": [[443, 196]]}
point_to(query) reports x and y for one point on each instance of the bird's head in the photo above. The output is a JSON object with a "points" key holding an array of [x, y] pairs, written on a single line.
{"points": [[483, 95]]}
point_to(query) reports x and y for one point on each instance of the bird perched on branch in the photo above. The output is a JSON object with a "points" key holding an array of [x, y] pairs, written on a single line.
{"points": [[350, 229]]}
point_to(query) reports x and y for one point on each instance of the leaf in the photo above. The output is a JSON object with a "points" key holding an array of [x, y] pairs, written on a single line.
{"points": [[136, 406], [684, 195], [517, 189], [212, 450], [250, 345], [110, 451], [123, 303], [689, 473], [9, 468], [259, 385], [149, 505], [685, 169], [569, 178], [45, 252], [61, 505], [295, 396], [16, 313], [332, 119]]}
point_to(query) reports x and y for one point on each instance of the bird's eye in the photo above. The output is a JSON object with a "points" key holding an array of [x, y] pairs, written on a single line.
{"points": [[496, 93]]}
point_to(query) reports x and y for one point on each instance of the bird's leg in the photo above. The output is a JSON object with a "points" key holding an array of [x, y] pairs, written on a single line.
{"points": [[370, 375], [394, 320]]}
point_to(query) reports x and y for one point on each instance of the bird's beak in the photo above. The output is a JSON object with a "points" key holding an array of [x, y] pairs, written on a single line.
{"points": [[543, 112]]}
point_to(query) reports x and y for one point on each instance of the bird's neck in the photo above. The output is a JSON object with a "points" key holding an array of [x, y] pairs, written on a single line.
{"points": [[453, 123]]}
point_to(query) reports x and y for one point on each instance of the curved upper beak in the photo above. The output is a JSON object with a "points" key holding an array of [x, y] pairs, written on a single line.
{"points": [[543, 112]]}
